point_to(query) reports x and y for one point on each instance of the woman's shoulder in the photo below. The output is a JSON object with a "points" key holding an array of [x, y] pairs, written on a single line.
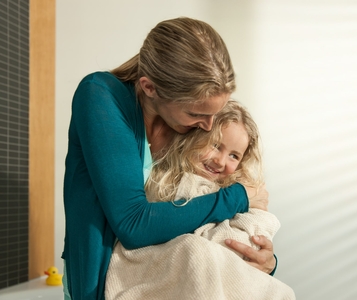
{"points": [[103, 88], [106, 78], [99, 75], [105, 83]]}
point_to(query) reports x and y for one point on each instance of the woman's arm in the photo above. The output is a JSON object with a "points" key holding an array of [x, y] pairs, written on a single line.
{"points": [[106, 129], [264, 259]]}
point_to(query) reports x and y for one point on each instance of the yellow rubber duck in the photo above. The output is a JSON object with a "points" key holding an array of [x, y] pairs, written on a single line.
{"points": [[53, 277]]}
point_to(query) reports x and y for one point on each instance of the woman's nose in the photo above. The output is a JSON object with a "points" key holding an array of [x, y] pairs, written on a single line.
{"points": [[206, 124]]}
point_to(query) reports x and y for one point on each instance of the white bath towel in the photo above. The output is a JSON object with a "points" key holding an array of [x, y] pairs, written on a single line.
{"points": [[197, 266]]}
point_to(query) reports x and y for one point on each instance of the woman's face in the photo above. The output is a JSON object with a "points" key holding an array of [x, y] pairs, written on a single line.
{"points": [[183, 117], [222, 160]]}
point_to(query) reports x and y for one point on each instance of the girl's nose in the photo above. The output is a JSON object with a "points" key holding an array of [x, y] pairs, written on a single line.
{"points": [[218, 159]]}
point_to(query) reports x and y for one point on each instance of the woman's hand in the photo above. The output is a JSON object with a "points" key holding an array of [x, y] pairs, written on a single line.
{"points": [[258, 198], [262, 259]]}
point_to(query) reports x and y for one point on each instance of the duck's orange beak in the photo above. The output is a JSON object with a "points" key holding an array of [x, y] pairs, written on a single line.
{"points": [[48, 274]]}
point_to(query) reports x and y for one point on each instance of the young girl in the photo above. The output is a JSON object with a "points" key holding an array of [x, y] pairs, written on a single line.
{"points": [[229, 153], [196, 266]]}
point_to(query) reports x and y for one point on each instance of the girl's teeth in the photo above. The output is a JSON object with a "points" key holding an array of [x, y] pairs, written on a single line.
{"points": [[209, 169]]}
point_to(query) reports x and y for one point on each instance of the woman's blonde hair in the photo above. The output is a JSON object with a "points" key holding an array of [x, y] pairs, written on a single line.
{"points": [[186, 60], [183, 155]]}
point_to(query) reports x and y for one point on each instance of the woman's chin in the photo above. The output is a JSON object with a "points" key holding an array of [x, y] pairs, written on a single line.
{"points": [[184, 129]]}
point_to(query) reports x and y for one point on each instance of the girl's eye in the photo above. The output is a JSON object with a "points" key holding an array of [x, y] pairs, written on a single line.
{"points": [[234, 156], [216, 146]]}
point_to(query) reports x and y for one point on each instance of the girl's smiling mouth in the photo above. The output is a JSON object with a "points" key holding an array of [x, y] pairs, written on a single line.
{"points": [[211, 170]]}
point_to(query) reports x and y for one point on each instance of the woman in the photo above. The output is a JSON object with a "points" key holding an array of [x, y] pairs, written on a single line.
{"points": [[180, 79]]}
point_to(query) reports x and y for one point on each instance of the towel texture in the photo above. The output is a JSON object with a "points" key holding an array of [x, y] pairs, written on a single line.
{"points": [[197, 266]]}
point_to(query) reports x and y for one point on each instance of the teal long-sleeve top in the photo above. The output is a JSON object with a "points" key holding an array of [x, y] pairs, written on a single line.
{"points": [[104, 195]]}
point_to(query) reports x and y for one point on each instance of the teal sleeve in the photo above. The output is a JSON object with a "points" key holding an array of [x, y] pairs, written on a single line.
{"points": [[104, 132], [276, 266]]}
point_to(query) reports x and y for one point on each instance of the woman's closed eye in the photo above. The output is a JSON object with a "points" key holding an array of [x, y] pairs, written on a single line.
{"points": [[194, 115]]}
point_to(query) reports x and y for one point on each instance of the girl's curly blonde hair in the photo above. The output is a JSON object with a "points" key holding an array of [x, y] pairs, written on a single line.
{"points": [[184, 152]]}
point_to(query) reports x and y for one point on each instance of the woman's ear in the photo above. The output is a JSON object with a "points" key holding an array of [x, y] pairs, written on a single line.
{"points": [[147, 86]]}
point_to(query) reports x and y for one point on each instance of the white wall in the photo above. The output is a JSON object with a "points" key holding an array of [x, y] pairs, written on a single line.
{"points": [[296, 63]]}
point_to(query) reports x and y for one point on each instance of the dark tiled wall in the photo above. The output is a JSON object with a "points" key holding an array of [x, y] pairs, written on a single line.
{"points": [[14, 107]]}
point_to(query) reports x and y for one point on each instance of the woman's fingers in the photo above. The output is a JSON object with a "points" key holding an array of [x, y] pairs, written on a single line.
{"points": [[263, 242], [262, 259]]}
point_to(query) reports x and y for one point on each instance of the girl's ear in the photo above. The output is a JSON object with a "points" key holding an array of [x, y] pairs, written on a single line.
{"points": [[147, 86]]}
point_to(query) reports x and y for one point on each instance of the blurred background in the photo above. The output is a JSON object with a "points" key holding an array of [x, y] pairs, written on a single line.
{"points": [[296, 67]]}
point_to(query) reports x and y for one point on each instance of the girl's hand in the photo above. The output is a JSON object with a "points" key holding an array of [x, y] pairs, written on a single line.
{"points": [[262, 259], [258, 198]]}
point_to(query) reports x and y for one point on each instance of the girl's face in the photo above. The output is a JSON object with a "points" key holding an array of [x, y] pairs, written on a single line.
{"points": [[223, 159], [183, 117]]}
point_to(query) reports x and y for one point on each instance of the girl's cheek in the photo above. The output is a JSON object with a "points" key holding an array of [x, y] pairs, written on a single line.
{"points": [[231, 169]]}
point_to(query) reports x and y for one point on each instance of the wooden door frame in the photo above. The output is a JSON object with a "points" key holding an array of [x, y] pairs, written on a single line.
{"points": [[41, 135]]}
